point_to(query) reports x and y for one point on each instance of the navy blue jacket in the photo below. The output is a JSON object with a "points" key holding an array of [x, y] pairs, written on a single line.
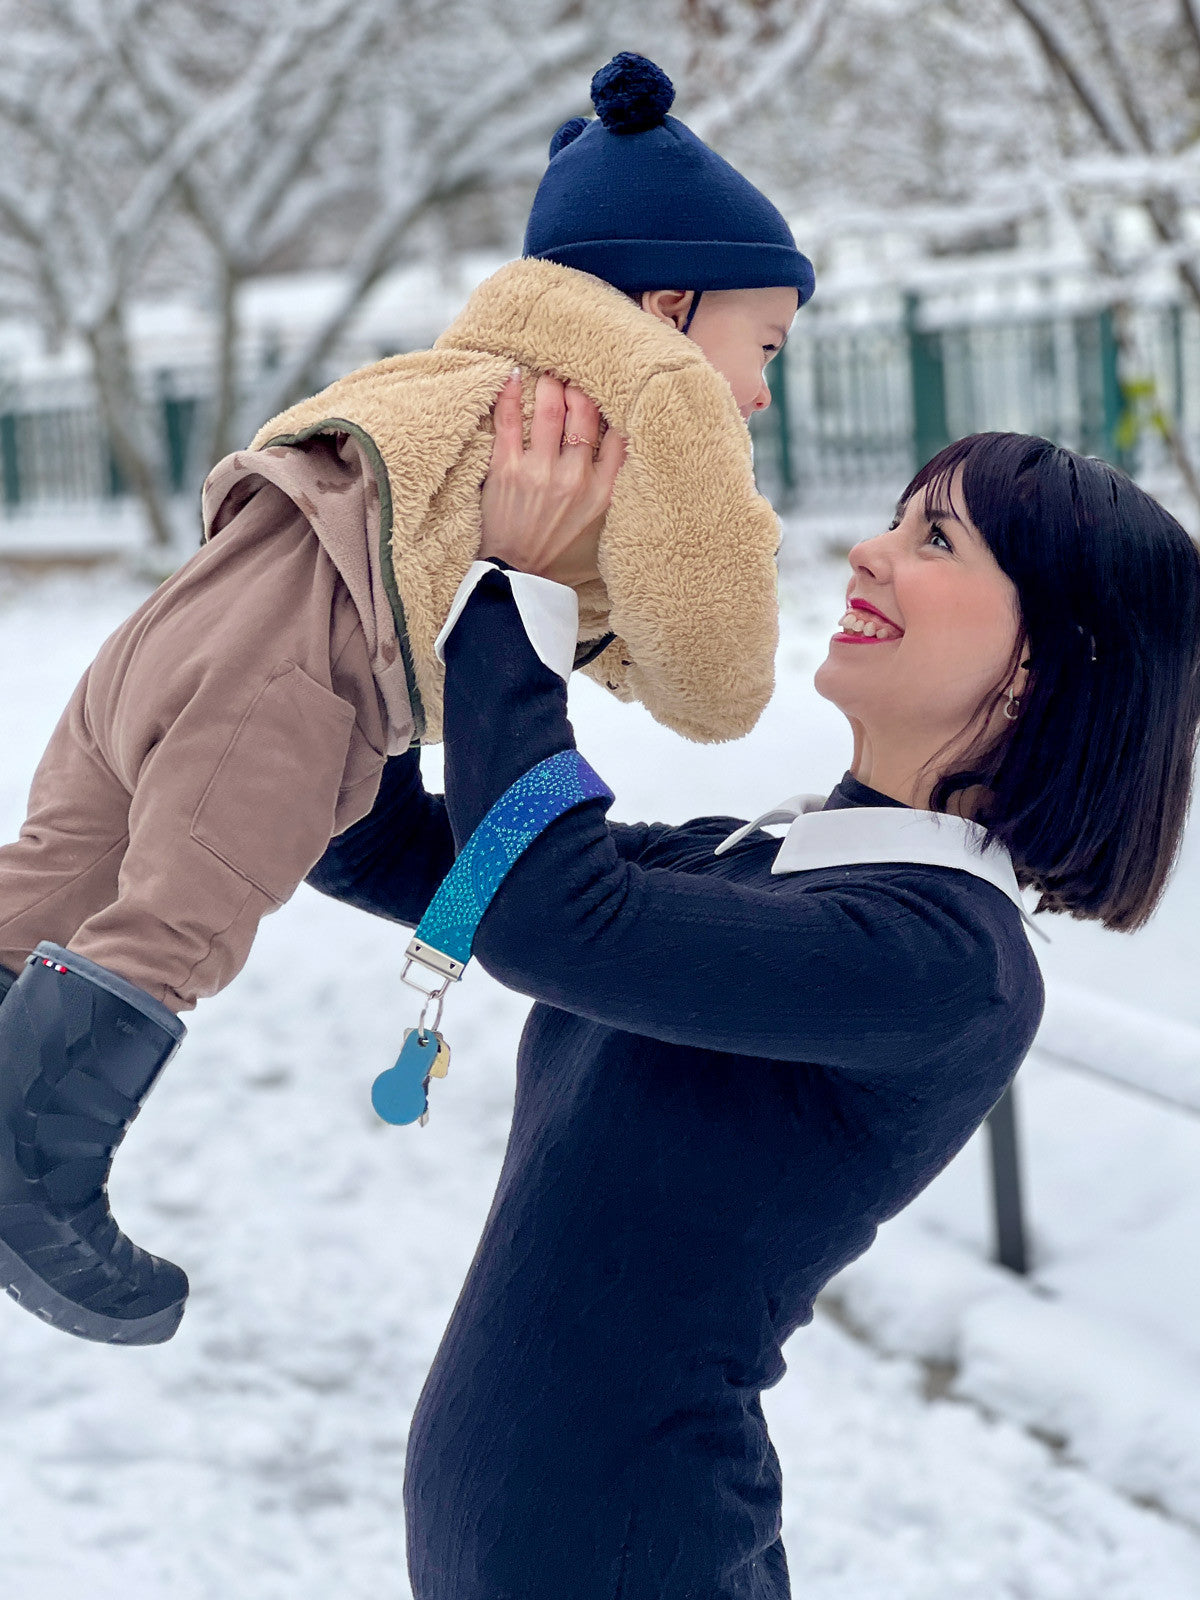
{"points": [[728, 1081]]}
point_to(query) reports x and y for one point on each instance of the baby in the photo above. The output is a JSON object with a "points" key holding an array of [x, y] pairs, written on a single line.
{"points": [[242, 716]]}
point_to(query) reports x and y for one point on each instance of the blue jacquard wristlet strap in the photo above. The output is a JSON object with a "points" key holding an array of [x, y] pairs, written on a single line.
{"points": [[444, 936], [523, 811]]}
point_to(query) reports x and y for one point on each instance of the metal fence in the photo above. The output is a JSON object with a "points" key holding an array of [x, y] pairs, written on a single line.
{"points": [[859, 407], [54, 452]]}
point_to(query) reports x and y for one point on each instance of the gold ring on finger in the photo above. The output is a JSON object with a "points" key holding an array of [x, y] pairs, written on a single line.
{"points": [[575, 438]]}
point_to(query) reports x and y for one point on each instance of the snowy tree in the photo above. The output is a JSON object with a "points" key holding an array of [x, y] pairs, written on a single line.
{"points": [[135, 127], [156, 143], [348, 110], [1066, 128], [1122, 83], [162, 144], [458, 99], [83, 207]]}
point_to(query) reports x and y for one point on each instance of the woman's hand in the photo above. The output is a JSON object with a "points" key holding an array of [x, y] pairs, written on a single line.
{"points": [[544, 508]]}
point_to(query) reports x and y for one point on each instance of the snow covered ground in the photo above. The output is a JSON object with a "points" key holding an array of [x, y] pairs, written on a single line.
{"points": [[947, 1432]]}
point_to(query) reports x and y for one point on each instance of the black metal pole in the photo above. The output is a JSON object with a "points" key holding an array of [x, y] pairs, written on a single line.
{"points": [[1011, 1249]]}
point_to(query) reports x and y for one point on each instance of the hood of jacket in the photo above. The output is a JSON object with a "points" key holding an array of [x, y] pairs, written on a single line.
{"points": [[687, 594]]}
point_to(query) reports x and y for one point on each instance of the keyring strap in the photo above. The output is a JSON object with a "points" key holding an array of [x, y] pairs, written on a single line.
{"points": [[446, 932]]}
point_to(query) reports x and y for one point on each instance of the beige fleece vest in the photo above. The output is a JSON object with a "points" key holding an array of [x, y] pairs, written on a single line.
{"points": [[687, 558]]}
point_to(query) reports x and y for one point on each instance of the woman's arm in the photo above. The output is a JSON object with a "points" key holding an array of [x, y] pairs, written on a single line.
{"points": [[392, 860], [844, 977]]}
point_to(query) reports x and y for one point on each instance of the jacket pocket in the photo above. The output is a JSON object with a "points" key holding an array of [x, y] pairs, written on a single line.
{"points": [[268, 811]]}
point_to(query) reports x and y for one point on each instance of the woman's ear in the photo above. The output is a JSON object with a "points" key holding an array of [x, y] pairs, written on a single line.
{"points": [[668, 305]]}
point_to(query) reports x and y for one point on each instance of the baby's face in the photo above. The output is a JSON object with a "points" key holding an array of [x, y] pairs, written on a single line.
{"points": [[739, 330]]}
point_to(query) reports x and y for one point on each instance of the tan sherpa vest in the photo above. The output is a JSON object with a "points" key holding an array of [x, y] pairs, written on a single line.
{"points": [[687, 556]]}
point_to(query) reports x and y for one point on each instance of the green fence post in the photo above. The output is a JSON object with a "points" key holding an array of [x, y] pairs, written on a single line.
{"points": [[927, 368], [777, 379], [178, 416], [10, 462], [1110, 390], [1088, 385]]}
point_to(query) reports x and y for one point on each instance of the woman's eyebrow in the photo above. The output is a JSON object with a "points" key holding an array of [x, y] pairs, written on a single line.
{"points": [[934, 512]]}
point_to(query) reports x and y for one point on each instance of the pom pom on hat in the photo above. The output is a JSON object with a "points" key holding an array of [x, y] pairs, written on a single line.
{"points": [[571, 129], [631, 94]]}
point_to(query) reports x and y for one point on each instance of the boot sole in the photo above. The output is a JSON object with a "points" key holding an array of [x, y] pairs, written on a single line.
{"points": [[35, 1294]]}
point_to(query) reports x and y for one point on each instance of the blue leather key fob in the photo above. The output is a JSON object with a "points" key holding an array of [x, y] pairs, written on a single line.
{"points": [[399, 1094]]}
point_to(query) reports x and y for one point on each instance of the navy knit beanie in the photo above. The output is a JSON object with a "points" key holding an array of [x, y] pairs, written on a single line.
{"points": [[635, 198]]}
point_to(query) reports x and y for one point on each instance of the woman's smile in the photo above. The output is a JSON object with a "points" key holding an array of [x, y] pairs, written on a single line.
{"points": [[863, 623]]}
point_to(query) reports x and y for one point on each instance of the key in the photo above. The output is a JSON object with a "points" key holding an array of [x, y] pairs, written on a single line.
{"points": [[441, 1062]]}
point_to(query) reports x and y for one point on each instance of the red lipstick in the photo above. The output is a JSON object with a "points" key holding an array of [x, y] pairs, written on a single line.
{"points": [[862, 638]]}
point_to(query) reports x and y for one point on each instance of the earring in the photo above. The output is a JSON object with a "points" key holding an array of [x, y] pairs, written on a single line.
{"points": [[1012, 706]]}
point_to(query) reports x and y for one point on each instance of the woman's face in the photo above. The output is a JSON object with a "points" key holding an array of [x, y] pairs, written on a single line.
{"points": [[952, 624]]}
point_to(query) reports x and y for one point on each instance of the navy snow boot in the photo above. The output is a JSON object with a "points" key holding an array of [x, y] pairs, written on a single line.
{"points": [[80, 1049]]}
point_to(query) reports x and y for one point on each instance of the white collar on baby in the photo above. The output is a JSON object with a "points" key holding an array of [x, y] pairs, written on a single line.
{"points": [[857, 835]]}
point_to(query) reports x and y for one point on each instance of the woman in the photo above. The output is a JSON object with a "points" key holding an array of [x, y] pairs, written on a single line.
{"points": [[743, 1059]]}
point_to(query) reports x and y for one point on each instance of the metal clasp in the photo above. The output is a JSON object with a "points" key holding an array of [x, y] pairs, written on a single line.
{"points": [[443, 966]]}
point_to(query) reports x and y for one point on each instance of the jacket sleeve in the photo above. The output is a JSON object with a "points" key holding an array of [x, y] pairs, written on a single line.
{"points": [[841, 977], [391, 862]]}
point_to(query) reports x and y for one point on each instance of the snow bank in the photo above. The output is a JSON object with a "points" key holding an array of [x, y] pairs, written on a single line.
{"points": [[1155, 1054], [259, 1454], [1124, 1405], [1098, 1350]]}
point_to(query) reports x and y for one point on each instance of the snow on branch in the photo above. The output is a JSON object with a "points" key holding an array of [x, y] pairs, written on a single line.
{"points": [[1068, 65], [1118, 71], [283, 160], [788, 55], [515, 104]]}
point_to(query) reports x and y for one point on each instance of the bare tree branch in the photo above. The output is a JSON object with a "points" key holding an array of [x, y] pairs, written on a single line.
{"points": [[444, 167], [1126, 93], [267, 189], [1064, 62], [791, 54], [1191, 21]]}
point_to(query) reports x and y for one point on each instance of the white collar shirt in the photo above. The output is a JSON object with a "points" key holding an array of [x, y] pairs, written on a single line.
{"points": [[875, 835]]}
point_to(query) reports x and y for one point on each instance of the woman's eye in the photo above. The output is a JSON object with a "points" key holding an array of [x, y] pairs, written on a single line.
{"points": [[937, 532]]}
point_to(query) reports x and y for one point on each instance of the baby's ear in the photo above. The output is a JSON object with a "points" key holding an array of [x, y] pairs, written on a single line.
{"points": [[668, 305]]}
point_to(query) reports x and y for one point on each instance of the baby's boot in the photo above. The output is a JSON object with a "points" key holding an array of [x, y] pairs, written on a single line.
{"points": [[80, 1049]]}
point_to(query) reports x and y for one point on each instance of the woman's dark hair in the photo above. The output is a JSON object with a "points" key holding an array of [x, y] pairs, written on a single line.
{"points": [[1089, 787]]}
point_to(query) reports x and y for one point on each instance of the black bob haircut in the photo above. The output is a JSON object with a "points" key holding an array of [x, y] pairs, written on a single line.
{"points": [[1089, 786]]}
